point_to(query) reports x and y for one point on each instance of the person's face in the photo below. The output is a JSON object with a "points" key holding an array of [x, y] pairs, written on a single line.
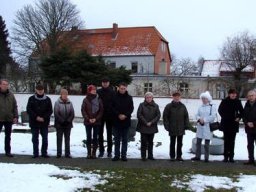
{"points": [[232, 95], [64, 96], [4, 86], [177, 98], [40, 92], [122, 89], [205, 100], [93, 92], [105, 84], [149, 99], [251, 96]]}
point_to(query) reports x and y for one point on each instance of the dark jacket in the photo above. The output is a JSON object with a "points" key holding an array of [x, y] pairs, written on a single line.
{"points": [[229, 110], [8, 107], [91, 103], [122, 104], [63, 114], [250, 116], [175, 118], [148, 112], [39, 106], [107, 95]]}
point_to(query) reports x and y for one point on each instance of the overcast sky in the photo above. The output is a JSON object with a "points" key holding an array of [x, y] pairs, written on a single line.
{"points": [[193, 28]]}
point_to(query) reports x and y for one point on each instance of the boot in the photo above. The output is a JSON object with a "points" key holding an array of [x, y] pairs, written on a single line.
{"points": [[94, 152], [89, 149]]}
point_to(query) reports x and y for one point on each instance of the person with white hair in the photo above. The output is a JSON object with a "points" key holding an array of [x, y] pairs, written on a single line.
{"points": [[250, 125], [205, 115], [148, 115]]}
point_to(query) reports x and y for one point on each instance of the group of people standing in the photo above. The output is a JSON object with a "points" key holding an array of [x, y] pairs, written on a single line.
{"points": [[114, 109]]}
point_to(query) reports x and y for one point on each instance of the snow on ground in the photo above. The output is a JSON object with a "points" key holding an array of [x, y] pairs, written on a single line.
{"points": [[200, 183], [45, 178], [21, 144]]}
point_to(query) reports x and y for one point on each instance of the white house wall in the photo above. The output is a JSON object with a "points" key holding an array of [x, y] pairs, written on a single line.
{"points": [[145, 63]]}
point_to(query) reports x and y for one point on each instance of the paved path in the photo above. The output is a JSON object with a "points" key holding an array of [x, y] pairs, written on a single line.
{"points": [[84, 163]]}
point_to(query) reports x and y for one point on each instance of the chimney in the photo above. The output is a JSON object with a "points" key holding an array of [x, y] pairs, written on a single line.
{"points": [[115, 29]]}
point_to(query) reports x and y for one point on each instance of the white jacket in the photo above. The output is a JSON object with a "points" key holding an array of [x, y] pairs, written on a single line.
{"points": [[207, 113]]}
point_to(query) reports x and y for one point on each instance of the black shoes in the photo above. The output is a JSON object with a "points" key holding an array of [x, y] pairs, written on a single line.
{"points": [[110, 155], [124, 158], [35, 156], [143, 159], [116, 158], [179, 159], [9, 155], [45, 156], [195, 159], [101, 154], [151, 158]]}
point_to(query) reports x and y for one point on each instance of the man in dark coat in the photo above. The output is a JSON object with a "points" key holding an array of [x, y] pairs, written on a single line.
{"points": [[8, 114], [122, 111], [250, 125], [106, 93], [231, 111], [39, 109], [176, 120]]}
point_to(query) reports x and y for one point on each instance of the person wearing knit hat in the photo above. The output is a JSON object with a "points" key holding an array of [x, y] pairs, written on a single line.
{"points": [[205, 115], [92, 111], [231, 112]]}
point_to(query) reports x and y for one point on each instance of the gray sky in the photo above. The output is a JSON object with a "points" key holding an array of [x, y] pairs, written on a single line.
{"points": [[193, 27]]}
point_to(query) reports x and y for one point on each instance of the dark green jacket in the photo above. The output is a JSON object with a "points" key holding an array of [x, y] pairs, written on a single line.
{"points": [[148, 112], [8, 107], [175, 118]]}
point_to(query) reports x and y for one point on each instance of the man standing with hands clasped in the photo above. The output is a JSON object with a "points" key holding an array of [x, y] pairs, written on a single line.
{"points": [[8, 114], [39, 109]]}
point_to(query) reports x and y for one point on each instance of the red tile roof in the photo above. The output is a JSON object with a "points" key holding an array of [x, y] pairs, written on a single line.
{"points": [[126, 41]]}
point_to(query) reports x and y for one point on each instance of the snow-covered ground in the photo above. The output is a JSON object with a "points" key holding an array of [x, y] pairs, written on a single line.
{"points": [[21, 144], [200, 183], [47, 178]]}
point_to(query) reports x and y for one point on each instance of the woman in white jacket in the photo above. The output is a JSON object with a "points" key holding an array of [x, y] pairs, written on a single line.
{"points": [[205, 115]]}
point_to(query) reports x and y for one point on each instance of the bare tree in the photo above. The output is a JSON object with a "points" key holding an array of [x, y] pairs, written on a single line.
{"points": [[38, 27], [239, 52], [183, 67]]}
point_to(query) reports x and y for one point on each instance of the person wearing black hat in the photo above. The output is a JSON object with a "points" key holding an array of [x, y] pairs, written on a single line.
{"points": [[231, 111], [106, 93], [39, 109]]}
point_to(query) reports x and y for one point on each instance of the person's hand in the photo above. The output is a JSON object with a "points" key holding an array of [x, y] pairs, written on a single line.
{"points": [[39, 119], [201, 121], [15, 121], [250, 124], [149, 124], [92, 120], [237, 119], [122, 117]]}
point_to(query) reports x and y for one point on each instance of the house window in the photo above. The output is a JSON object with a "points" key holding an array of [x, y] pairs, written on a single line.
{"points": [[134, 67], [162, 69], [112, 64], [148, 87], [163, 46], [220, 91], [184, 88]]}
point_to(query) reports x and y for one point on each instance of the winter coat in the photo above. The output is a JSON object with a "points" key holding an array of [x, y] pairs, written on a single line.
{"points": [[250, 116], [8, 107], [207, 113], [229, 110], [148, 112], [175, 118], [92, 108], [39, 106], [122, 104], [107, 95], [63, 114]]}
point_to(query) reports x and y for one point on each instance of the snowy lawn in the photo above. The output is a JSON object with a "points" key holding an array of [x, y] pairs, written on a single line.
{"points": [[21, 144], [47, 178]]}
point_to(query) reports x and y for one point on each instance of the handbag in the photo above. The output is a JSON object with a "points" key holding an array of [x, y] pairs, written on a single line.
{"points": [[215, 125]]}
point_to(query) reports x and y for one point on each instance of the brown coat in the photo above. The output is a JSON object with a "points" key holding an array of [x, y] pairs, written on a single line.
{"points": [[89, 104]]}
